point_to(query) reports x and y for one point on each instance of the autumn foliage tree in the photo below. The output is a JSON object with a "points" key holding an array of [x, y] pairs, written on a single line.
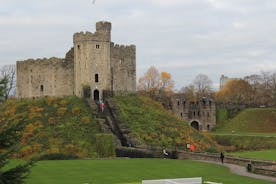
{"points": [[166, 82], [155, 82], [158, 86], [236, 92]]}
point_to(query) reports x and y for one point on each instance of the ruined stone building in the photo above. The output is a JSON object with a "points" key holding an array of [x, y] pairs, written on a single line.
{"points": [[200, 114], [92, 66]]}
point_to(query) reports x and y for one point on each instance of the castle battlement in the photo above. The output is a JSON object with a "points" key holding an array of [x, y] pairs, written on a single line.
{"points": [[40, 61], [118, 46], [123, 49], [103, 26], [102, 33]]}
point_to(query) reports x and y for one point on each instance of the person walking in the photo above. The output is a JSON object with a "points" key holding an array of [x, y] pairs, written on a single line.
{"points": [[102, 105], [165, 153], [221, 157]]}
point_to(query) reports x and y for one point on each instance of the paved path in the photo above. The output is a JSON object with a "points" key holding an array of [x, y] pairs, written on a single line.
{"points": [[240, 170]]}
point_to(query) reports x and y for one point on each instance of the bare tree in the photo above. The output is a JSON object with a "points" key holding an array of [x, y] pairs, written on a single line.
{"points": [[150, 81], [203, 85], [189, 92], [8, 72]]}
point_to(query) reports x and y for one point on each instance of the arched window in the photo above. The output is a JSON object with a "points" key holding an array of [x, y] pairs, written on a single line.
{"points": [[96, 77], [195, 125], [41, 88], [208, 127], [96, 95]]}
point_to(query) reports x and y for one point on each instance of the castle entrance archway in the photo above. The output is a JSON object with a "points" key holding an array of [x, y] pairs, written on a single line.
{"points": [[96, 94], [195, 125]]}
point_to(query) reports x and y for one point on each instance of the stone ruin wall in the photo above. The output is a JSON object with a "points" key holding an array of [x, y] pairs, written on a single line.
{"points": [[45, 77], [202, 112], [123, 64]]}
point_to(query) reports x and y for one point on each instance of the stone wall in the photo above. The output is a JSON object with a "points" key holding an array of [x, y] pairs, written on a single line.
{"points": [[201, 111], [123, 67], [45, 77]]}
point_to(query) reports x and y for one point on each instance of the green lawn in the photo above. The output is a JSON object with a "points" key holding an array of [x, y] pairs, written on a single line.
{"points": [[264, 154], [129, 171]]}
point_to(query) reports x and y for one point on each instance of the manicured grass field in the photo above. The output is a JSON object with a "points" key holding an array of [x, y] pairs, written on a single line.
{"points": [[129, 171], [264, 154]]}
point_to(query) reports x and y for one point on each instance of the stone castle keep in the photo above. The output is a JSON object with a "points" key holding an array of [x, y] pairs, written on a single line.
{"points": [[92, 66]]}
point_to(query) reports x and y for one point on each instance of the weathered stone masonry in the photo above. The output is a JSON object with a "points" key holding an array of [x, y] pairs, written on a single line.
{"points": [[94, 62], [200, 114]]}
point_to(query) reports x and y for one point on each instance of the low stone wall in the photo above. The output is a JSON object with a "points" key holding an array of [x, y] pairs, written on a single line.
{"points": [[140, 152], [265, 170], [258, 166]]}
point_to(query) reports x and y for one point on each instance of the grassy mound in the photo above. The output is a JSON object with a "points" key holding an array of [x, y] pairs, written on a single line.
{"points": [[254, 120], [53, 126], [237, 142], [151, 124]]}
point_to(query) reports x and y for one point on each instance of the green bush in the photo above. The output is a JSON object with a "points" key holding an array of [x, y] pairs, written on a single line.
{"points": [[105, 146]]}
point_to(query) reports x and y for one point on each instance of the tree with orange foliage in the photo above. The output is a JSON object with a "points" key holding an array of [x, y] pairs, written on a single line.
{"points": [[155, 82], [158, 86], [167, 84], [235, 91]]}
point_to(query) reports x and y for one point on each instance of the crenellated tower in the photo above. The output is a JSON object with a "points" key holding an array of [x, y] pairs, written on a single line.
{"points": [[92, 60]]}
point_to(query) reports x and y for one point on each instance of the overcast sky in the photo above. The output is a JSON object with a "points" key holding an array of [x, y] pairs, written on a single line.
{"points": [[182, 37]]}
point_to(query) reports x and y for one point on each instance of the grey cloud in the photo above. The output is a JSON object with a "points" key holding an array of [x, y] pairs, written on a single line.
{"points": [[183, 37]]}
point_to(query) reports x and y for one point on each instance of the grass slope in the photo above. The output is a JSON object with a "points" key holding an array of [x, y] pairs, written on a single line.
{"points": [[151, 124], [253, 120], [263, 154], [53, 125], [130, 171]]}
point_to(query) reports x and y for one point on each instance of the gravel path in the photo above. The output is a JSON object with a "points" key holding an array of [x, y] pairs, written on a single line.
{"points": [[240, 170]]}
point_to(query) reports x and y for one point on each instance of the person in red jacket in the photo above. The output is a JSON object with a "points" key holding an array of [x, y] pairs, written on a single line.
{"points": [[102, 106]]}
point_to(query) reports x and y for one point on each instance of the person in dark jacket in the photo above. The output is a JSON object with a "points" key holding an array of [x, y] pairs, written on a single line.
{"points": [[221, 157]]}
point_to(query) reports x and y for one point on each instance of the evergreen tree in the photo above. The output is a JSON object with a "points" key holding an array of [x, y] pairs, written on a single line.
{"points": [[9, 139]]}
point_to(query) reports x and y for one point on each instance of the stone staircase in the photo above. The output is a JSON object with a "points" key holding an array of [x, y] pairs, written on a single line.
{"points": [[107, 122]]}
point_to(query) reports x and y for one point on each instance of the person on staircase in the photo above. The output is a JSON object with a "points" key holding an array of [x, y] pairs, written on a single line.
{"points": [[102, 106]]}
